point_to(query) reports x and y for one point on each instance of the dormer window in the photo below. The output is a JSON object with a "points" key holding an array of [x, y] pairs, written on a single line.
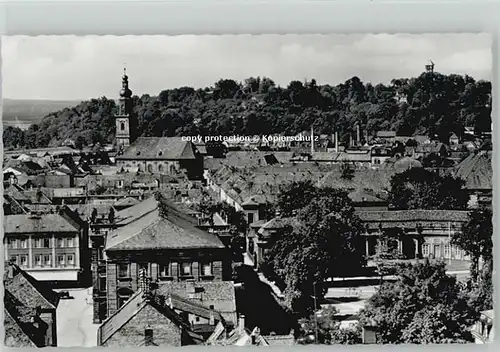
{"points": [[138, 152], [160, 153]]}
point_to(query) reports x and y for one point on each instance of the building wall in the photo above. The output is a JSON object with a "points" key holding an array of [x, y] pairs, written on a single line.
{"points": [[165, 333], [220, 269], [44, 252]]}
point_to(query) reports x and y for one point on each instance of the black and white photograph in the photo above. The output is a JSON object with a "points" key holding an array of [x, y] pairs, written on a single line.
{"points": [[247, 190]]}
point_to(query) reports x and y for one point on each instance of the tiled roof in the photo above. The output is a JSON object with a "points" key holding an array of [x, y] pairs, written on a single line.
{"points": [[29, 291], [429, 148], [154, 231], [220, 294], [130, 309], [186, 305], [125, 202], [279, 223], [16, 192], [477, 171], [401, 164], [160, 148], [42, 224], [15, 335], [130, 214], [413, 215], [19, 323]]}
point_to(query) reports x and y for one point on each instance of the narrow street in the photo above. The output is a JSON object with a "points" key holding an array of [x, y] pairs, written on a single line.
{"points": [[74, 320]]}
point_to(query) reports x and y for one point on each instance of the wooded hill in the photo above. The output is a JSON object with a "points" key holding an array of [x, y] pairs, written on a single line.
{"points": [[431, 104]]}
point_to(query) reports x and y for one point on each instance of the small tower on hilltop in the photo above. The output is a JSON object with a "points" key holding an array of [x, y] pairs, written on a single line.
{"points": [[122, 118], [429, 68]]}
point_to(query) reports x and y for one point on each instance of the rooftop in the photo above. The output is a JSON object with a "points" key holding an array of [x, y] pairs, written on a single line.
{"points": [[166, 231], [160, 148], [131, 308], [40, 224]]}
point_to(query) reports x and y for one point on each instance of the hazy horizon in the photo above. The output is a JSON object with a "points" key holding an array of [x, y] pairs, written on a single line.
{"points": [[69, 68]]}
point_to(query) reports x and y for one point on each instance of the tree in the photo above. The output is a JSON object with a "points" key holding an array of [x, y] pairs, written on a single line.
{"points": [[418, 188], [428, 104], [93, 216], [111, 216], [321, 241], [294, 196], [324, 325], [476, 238], [424, 305]]}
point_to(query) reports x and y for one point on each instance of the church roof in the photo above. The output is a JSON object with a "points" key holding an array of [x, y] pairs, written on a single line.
{"points": [[159, 148]]}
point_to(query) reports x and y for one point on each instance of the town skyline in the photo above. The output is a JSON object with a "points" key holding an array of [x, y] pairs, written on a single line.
{"points": [[66, 67]]}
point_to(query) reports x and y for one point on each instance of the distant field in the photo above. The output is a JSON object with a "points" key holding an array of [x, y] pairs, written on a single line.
{"points": [[23, 113]]}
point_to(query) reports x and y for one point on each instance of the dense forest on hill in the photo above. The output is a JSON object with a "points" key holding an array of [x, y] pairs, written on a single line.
{"points": [[432, 104]]}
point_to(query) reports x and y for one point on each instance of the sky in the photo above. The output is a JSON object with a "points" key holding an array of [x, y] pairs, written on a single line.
{"points": [[72, 67]]}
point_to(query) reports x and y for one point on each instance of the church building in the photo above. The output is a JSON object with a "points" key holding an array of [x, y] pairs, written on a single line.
{"points": [[153, 155]]}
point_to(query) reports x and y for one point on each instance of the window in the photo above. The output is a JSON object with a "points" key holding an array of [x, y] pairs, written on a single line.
{"points": [[46, 260], [122, 126], [35, 242], [148, 337], [160, 168], [150, 168], [456, 252], [12, 243], [60, 260], [24, 243], [186, 269], [60, 242], [71, 259], [207, 269], [250, 218], [38, 260], [70, 242], [102, 284], [165, 270], [123, 270], [13, 259], [24, 260], [123, 295], [447, 250], [425, 249], [46, 243]]}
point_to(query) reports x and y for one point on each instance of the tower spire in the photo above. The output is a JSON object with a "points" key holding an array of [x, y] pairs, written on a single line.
{"points": [[122, 119]]}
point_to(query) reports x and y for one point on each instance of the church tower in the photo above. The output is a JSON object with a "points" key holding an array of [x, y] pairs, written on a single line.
{"points": [[122, 118]]}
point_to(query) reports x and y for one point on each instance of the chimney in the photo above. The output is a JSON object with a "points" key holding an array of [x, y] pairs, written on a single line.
{"points": [[312, 140], [336, 142], [358, 135], [10, 270], [241, 324], [255, 335], [212, 317]]}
